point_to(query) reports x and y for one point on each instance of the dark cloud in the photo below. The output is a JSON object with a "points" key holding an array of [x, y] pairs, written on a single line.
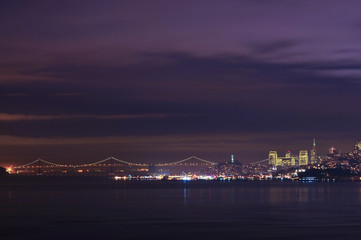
{"points": [[227, 91], [273, 47]]}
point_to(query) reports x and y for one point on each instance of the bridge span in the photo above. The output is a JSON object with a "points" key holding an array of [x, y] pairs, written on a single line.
{"points": [[111, 165]]}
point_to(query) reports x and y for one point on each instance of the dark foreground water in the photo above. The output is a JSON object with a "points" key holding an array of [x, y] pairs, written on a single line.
{"points": [[97, 208]]}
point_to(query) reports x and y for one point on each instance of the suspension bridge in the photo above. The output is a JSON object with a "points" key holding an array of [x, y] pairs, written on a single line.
{"points": [[115, 162], [112, 165]]}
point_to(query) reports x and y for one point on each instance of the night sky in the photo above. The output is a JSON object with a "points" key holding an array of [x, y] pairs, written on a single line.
{"points": [[155, 81]]}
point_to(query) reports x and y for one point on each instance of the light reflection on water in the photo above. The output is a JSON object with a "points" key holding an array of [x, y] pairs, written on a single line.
{"points": [[210, 210]]}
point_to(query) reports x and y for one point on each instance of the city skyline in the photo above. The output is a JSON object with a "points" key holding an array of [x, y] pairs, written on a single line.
{"points": [[312, 157], [158, 80], [303, 166]]}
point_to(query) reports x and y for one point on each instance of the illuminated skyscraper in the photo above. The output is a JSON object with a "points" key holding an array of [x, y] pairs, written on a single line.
{"points": [[272, 158], [314, 153], [303, 158], [232, 158]]}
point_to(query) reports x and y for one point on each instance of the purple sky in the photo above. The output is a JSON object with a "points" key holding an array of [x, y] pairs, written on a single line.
{"points": [[152, 81]]}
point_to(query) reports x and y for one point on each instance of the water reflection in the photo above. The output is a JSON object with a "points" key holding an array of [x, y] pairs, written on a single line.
{"points": [[303, 194], [253, 210], [185, 196]]}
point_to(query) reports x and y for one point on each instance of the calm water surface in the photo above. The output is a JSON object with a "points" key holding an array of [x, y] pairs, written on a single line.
{"points": [[97, 208]]}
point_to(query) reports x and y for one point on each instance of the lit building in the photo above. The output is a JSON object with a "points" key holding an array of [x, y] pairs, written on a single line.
{"points": [[332, 150], [359, 145], [287, 161], [272, 158], [314, 153], [303, 158]]}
